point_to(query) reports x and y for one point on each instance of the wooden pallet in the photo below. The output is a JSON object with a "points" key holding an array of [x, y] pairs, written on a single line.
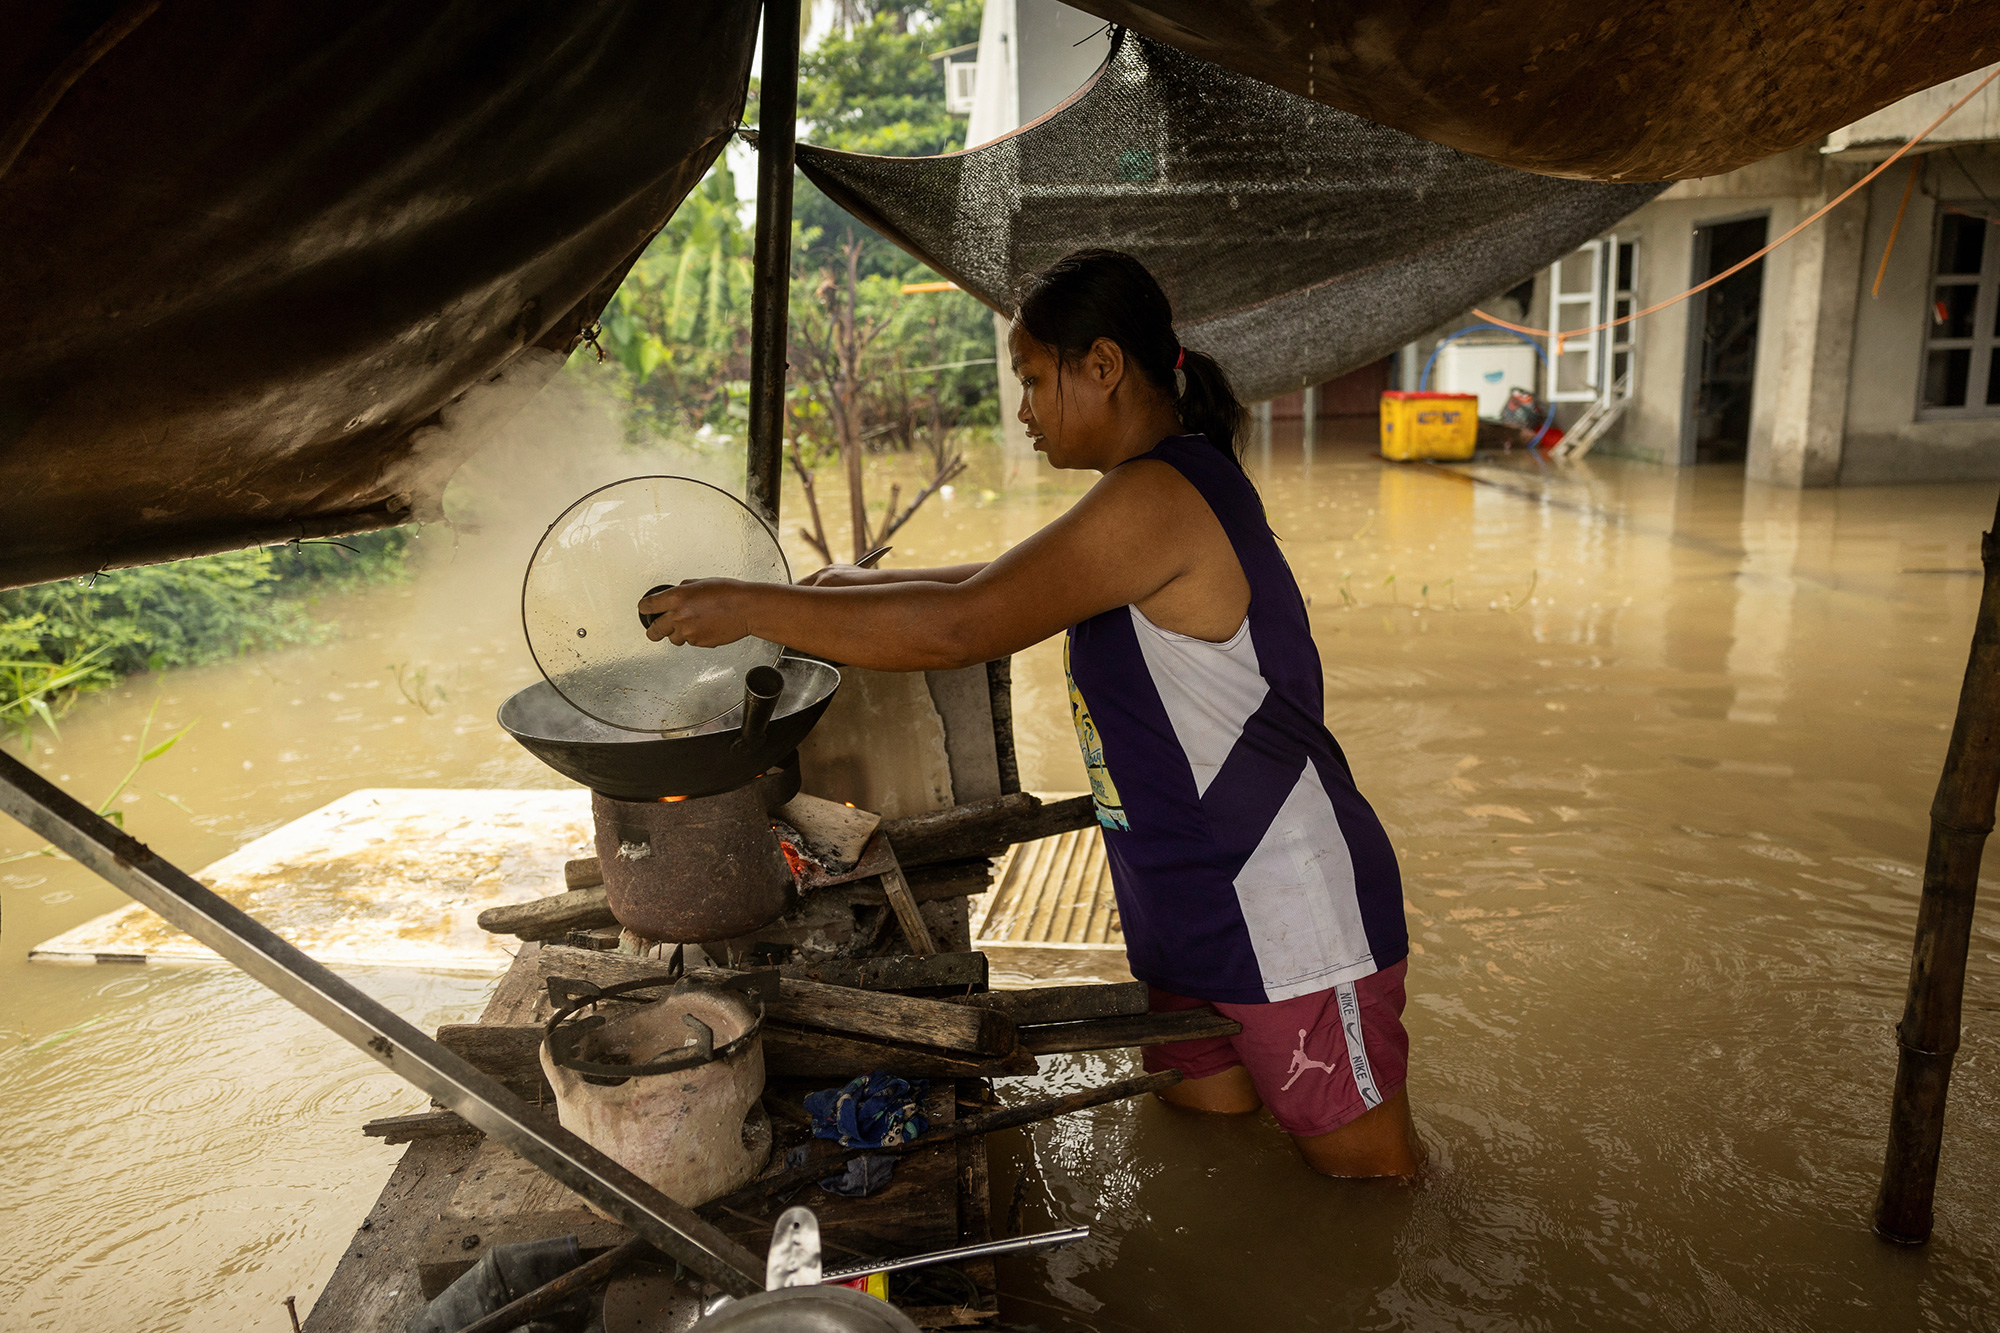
{"points": [[454, 1196]]}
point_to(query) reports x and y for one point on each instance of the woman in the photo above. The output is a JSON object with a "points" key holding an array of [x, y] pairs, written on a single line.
{"points": [[1250, 873]]}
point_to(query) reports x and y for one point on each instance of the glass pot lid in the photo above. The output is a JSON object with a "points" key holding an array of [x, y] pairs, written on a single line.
{"points": [[579, 602]]}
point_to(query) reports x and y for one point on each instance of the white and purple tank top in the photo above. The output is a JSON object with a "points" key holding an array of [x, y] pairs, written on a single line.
{"points": [[1247, 866]]}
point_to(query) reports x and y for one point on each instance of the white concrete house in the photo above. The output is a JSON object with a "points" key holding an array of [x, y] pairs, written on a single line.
{"points": [[1822, 364]]}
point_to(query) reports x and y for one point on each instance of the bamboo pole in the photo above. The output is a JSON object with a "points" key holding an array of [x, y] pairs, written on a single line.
{"points": [[1927, 1038]]}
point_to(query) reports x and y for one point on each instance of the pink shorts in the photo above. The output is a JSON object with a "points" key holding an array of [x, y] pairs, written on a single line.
{"points": [[1318, 1061]]}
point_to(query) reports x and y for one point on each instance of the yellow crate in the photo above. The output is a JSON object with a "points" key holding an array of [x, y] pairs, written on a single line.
{"points": [[1428, 425]]}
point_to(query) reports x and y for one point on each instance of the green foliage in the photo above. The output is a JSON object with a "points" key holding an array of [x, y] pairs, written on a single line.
{"points": [[678, 330], [873, 89], [60, 639], [679, 325]]}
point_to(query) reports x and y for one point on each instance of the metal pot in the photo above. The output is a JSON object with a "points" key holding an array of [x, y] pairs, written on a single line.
{"points": [[807, 1310], [641, 766]]}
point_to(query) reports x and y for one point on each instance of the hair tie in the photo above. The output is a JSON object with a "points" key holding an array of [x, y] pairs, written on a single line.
{"points": [[1180, 357]]}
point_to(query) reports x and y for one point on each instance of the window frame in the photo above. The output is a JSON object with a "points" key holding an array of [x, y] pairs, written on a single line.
{"points": [[1985, 340]]}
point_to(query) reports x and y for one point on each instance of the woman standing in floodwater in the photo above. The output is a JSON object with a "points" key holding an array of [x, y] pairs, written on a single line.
{"points": [[1250, 873]]}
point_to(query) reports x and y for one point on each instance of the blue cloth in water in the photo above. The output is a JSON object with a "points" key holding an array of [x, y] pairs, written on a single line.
{"points": [[874, 1111]]}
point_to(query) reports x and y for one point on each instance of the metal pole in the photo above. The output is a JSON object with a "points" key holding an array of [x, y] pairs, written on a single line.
{"points": [[1927, 1038], [102, 847], [985, 1249], [770, 300]]}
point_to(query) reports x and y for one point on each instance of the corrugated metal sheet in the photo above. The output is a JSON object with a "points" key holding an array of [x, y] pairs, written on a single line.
{"points": [[1053, 892]]}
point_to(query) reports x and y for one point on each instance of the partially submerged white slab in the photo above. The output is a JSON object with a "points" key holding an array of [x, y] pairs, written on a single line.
{"points": [[384, 875]]}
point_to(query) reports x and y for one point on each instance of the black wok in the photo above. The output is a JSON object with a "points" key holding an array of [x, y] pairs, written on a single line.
{"points": [[640, 766]]}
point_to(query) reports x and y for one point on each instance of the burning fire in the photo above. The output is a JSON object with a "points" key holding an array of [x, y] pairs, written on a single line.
{"points": [[670, 800]]}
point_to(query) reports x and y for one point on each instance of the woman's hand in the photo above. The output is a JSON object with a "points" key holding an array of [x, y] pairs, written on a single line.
{"points": [[706, 613], [841, 576]]}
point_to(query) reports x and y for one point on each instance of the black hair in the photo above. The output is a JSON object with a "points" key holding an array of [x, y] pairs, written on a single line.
{"points": [[1092, 294]]}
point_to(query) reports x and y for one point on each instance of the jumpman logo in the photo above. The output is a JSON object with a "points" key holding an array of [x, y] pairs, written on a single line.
{"points": [[1301, 1062]]}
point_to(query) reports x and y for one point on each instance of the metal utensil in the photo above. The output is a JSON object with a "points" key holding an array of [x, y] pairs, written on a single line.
{"points": [[1012, 1245]]}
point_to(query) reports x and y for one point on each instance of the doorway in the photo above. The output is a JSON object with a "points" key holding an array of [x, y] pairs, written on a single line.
{"points": [[1722, 343]]}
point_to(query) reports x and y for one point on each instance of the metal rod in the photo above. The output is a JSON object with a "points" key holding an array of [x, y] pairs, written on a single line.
{"points": [[1013, 1244], [584, 1277], [103, 848], [1927, 1038], [770, 299], [988, 1122]]}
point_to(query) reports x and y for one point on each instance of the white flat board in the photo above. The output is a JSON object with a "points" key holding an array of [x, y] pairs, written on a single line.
{"points": [[382, 876]]}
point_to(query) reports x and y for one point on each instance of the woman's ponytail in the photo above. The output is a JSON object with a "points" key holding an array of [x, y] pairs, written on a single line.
{"points": [[1207, 405], [1092, 294]]}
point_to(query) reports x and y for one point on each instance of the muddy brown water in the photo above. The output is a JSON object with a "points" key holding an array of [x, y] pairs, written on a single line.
{"points": [[1655, 749]]}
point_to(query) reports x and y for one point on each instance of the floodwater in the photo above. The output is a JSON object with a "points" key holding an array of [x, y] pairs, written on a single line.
{"points": [[1656, 750]]}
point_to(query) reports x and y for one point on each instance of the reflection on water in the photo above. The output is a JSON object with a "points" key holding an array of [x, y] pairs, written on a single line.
{"points": [[1656, 750]]}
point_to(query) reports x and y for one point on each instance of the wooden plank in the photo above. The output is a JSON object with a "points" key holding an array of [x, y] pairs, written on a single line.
{"points": [[510, 1052], [1064, 1004], [421, 1125], [1000, 684], [904, 1019], [375, 1288], [520, 997], [975, 1207], [983, 828], [934, 883], [552, 917], [442, 1255], [896, 972], [897, 889], [800, 1053], [1105, 1034]]}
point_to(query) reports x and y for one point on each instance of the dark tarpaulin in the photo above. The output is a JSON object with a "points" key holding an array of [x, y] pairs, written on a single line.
{"points": [[1642, 90], [1296, 242], [268, 269]]}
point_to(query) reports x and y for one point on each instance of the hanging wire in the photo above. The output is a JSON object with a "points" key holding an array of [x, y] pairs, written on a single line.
{"points": [[1839, 199]]}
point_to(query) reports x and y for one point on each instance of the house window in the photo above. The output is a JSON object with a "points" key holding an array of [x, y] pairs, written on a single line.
{"points": [[1962, 339]]}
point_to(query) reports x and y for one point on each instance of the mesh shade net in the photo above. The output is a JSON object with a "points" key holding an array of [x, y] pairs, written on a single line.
{"points": [[1296, 241]]}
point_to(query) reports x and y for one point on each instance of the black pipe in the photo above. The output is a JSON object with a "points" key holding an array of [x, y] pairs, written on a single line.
{"points": [[761, 688], [770, 300]]}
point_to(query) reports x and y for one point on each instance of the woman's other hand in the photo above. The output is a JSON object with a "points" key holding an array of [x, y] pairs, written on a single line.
{"points": [[841, 576], [706, 613]]}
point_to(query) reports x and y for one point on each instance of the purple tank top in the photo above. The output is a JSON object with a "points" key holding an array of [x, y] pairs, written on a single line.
{"points": [[1247, 866]]}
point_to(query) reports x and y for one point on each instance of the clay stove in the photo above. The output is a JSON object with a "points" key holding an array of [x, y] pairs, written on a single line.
{"points": [[683, 823], [692, 870]]}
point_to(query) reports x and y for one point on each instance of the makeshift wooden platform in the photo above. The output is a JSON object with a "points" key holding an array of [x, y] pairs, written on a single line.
{"points": [[455, 1195]]}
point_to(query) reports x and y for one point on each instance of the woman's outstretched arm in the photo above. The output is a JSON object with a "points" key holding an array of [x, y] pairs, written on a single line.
{"points": [[1121, 543]]}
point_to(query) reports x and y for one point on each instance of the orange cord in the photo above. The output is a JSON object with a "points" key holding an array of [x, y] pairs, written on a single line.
{"points": [[1738, 267], [1916, 169]]}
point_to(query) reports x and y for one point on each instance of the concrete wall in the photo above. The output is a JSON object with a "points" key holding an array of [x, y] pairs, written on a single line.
{"points": [[1653, 426], [1873, 138], [1838, 369], [1884, 440]]}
